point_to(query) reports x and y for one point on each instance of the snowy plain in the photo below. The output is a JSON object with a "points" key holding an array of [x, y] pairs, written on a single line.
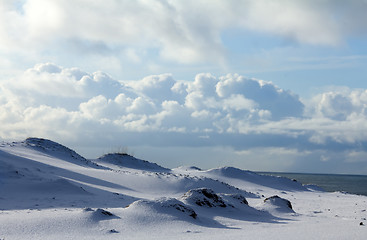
{"points": [[48, 191]]}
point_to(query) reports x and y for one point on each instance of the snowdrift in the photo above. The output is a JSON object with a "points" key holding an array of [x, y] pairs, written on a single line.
{"points": [[48, 191], [280, 183]]}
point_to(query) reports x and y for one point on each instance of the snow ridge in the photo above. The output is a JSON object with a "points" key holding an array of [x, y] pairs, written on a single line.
{"points": [[128, 161], [55, 149]]}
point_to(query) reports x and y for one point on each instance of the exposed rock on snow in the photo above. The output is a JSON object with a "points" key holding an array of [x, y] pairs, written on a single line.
{"points": [[204, 197], [102, 214], [279, 203], [238, 198], [187, 168], [170, 206]]}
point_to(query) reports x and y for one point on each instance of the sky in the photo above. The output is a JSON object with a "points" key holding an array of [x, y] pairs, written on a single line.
{"points": [[261, 85]]}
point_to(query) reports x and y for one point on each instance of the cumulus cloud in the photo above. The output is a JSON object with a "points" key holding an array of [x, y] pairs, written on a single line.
{"points": [[335, 106], [156, 87], [160, 102], [57, 86], [208, 111], [340, 105], [266, 95], [229, 104]]}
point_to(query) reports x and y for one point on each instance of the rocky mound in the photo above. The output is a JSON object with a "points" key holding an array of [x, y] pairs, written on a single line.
{"points": [[278, 203], [100, 214], [203, 197], [236, 198], [169, 206]]}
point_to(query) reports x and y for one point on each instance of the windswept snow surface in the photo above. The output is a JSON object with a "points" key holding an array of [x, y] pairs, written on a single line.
{"points": [[48, 191]]}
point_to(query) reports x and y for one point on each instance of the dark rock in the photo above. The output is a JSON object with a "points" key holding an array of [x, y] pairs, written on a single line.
{"points": [[204, 197], [276, 200], [239, 198], [185, 209], [166, 205], [104, 212]]}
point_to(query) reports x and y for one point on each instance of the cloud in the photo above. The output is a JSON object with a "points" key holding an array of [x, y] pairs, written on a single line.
{"points": [[207, 106], [335, 106], [265, 94], [230, 111], [66, 87], [140, 38], [158, 24], [181, 32], [162, 103], [156, 87], [340, 105], [297, 20]]}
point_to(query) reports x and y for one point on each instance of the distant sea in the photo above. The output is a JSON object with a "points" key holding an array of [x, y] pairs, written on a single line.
{"points": [[355, 184]]}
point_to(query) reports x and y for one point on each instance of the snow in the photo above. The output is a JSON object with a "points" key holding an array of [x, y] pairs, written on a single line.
{"points": [[48, 191], [124, 160]]}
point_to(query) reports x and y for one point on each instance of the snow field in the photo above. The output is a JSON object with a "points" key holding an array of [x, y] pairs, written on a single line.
{"points": [[48, 191]]}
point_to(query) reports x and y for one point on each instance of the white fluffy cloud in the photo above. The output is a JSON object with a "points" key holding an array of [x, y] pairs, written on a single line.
{"points": [[229, 111], [229, 104], [266, 95], [340, 105], [159, 102], [69, 82]]}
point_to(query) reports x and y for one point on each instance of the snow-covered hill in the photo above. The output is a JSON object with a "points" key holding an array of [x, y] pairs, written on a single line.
{"points": [[124, 160], [48, 191]]}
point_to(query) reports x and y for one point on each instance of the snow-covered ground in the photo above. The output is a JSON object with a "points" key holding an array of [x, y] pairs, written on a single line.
{"points": [[48, 191]]}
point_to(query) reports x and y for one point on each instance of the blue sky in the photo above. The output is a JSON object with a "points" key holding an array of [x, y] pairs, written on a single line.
{"points": [[261, 85]]}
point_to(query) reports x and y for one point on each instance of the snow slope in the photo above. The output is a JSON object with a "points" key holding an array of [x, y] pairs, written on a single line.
{"points": [[48, 191], [124, 160]]}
